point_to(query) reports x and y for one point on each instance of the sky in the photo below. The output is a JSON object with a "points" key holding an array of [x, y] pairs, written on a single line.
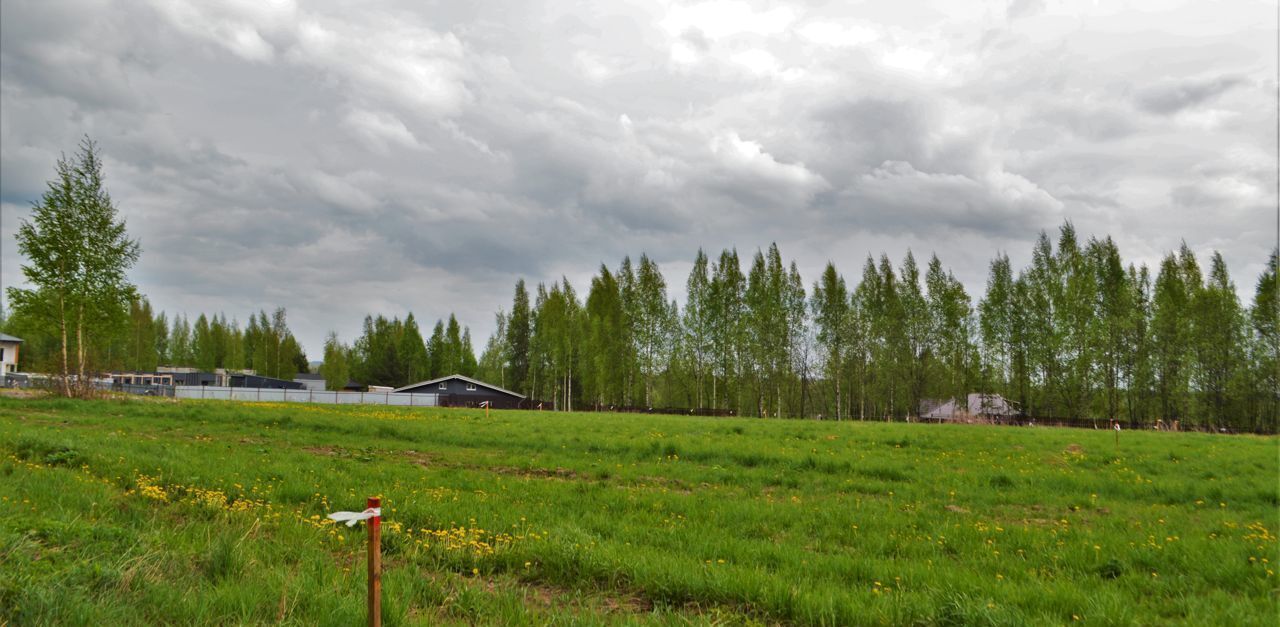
{"points": [[341, 159]]}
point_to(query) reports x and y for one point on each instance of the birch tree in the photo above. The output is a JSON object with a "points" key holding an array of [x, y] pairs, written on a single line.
{"points": [[78, 255], [830, 305]]}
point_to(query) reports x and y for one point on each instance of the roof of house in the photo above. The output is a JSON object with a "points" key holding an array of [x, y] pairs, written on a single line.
{"points": [[992, 404], [5, 337], [459, 377], [940, 410]]}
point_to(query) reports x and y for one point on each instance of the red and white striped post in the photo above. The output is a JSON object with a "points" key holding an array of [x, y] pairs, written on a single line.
{"points": [[375, 564]]}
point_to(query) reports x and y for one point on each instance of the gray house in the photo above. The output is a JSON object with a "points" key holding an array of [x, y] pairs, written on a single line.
{"points": [[456, 390], [979, 406], [310, 381]]}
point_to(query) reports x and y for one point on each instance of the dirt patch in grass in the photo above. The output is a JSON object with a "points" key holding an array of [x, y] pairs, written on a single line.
{"points": [[22, 393], [426, 460], [673, 485], [628, 604], [541, 599], [561, 474]]}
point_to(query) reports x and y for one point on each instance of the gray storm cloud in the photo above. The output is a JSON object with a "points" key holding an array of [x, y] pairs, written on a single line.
{"points": [[340, 161]]}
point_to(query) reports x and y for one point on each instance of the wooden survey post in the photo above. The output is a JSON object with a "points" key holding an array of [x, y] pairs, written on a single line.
{"points": [[375, 564]]}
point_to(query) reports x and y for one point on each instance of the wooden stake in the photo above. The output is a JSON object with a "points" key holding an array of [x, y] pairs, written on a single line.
{"points": [[375, 565]]}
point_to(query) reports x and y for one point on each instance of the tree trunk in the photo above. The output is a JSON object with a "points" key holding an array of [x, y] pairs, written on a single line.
{"points": [[837, 397], [62, 326], [862, 396], [80, 353]]}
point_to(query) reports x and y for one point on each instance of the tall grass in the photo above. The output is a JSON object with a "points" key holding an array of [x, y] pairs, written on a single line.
{"points": [[211, 512]]}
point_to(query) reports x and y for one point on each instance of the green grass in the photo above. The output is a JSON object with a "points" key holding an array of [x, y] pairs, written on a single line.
{"points": [[149, 512]]}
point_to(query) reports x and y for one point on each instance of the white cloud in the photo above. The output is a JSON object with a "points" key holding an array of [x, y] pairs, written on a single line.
{"points": [[237, 25], [413, 66], [749, 157], [719, 19], [999, 201], [907, 58], [757, 61], [380, 130], [340, 191], [838, 35]]}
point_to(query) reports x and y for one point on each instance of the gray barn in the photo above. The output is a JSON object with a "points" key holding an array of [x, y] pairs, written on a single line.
{"points": [[456, 390]]}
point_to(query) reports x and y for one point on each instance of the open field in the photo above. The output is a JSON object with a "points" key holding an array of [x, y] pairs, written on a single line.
{"points": [[143, 512]]}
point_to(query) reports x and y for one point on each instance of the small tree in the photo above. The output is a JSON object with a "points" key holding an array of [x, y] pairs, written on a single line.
{"points": [[336, 368], [78, 254]]}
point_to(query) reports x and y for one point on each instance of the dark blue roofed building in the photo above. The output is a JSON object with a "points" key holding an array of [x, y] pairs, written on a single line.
{"points": [[456, 390], [246, 380]]}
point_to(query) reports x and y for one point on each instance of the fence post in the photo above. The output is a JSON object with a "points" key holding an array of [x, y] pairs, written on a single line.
{"points": [[375, 564]]}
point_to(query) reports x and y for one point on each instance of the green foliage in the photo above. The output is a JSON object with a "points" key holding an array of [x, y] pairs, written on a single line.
{"points": [[1264, 346], [652, 323], [78, 254], [519, 328], [1171, 335], [144, 342], [1076, 334], [607, 353], [391, 352], [336, 368], [492, 366], [832, 317]]}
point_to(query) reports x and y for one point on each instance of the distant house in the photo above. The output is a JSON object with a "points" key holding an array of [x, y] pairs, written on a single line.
{"points": [[9, 353], [459, 391], [978, 406], [143, 378], [310, 381], [993, 406], [182, 375], [939, 410], [245, 380]]}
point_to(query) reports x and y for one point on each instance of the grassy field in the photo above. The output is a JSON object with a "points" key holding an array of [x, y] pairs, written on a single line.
{"points": [[144, 512]]}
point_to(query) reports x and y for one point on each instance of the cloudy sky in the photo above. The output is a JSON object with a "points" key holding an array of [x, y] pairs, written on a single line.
{"points": [[421, 156]]}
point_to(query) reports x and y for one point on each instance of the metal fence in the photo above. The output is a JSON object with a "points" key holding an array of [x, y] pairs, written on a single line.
{"points": [[270, 395]]}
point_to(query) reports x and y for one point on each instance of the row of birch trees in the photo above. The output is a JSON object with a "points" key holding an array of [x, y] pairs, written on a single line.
{"points": [[1077, 334]]}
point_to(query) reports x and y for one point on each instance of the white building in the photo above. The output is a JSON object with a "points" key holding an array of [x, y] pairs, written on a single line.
{"points": [[9, 352]]}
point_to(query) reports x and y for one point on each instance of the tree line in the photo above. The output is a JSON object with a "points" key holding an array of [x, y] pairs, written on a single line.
{"points": [[391, 352], [82, 316], [1077, 334], [143, 340]]}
